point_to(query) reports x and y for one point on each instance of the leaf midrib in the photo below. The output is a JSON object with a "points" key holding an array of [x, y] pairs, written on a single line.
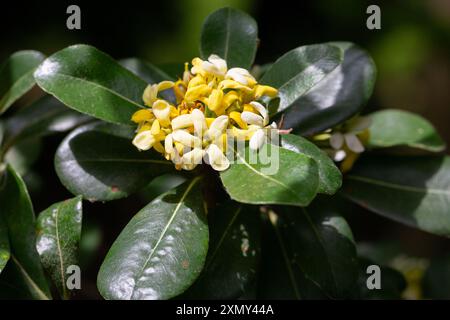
{"points": [[398, 186], [222, 238], [61, 258], [267, 177], [320, 240], [115, 93], [7, 96], [177, 208], [38, 290]]}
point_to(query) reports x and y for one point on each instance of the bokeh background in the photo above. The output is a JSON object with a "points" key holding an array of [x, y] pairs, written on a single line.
{"points": [[411, 51]]}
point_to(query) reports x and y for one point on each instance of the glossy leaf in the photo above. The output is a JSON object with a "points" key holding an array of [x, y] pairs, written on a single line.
{"points": [[161, 251], [411, 190], [391, 128], [99, 162], [91, 82], [234, 250], [308, 253], [321, 85], [17, 211], [59, 230], [16, 76], [330, 177], [232, 35], [4, 244], [272, 176], [45, 116]]}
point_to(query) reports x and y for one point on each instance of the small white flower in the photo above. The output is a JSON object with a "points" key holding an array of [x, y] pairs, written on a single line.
{"points": [[186, 138], [198, 118], [144, 140], [262, 111], [252, 118], [192, 158], [216, 159], [217, 127], [258, 139], [215, 65], [240, 75], [161, 110], [349, 137], [182, 121]]}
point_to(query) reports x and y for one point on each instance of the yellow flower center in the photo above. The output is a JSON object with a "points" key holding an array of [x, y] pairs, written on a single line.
{"points": [[212, 103]]}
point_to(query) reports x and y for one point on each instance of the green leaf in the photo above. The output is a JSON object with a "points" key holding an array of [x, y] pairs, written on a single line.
{"points": [[308, 253], [391, 128], [91, 82], [17, 211], [4, 244], [99, 162], [411, 190], [232, 35], [234, 250], [321, 85], [45, 116], [16, 76], [436, 281], [330, 177], [161, 251], [272, 176], [59, 230]]}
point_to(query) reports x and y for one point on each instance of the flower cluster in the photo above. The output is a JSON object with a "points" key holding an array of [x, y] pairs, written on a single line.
{"points": [[211, 104], [346, 141]]}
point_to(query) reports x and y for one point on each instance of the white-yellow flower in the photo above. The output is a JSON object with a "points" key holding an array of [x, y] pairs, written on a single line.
{"points": [[212, 104], [144, 140], [151, 92]]}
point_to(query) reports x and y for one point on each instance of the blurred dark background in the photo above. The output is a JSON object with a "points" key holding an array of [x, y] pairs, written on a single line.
{"points": [[411, 51]]}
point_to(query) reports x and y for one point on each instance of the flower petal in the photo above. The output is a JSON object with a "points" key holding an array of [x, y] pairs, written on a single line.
{"points": [[144, 140], [216, 159], [186, 138], [353, 143], [182, 121], [252, 118], [161, 110], [199, 121], [258, 139], [337, 140], [262, 111], [217, 127]]}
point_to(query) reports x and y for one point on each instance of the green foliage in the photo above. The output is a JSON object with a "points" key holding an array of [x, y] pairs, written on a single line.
{"points": [[232, 35], [91, 82], [17, 211], [258, 229], [161, 251], [411, 190], [391, 128], [321, 85], [234, 252], [85, 159], [59, 231], [295, 182], [16, 76], [308, 253]]}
